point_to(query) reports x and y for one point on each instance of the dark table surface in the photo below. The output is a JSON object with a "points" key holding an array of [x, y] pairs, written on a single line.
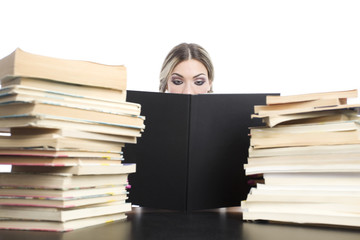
{"points": [[211, 224]]}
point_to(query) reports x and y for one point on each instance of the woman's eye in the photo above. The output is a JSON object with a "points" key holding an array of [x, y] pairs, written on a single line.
{"points": [[199, 82], [176, 81]]}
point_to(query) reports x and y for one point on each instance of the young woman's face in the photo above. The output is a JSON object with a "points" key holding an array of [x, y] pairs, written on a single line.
{"points": [[189, 77]]}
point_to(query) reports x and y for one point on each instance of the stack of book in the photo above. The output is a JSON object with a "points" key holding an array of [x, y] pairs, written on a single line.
{"points": [[309, 156], [68, 121]]}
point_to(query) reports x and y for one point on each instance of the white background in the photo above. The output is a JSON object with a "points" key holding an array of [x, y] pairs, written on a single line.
{"points": [[285, 46]]}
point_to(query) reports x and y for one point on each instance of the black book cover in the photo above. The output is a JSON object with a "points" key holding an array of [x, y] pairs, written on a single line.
{"points": [[191, 154]]}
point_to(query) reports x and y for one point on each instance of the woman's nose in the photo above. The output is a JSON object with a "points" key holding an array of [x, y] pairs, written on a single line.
{"points": [[188, 89]]}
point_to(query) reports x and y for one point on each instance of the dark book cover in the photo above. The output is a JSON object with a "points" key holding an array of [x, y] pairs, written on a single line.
{"points": [[191, 154]]}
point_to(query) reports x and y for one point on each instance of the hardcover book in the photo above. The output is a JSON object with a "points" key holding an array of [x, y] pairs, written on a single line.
{"points": [[192, 153]]}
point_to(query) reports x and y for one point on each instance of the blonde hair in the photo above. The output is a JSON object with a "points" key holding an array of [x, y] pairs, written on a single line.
{"points": [[183, 52]]}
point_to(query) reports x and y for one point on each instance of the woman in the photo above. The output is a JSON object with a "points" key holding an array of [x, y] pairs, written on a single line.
{"points": [[187, 69]]}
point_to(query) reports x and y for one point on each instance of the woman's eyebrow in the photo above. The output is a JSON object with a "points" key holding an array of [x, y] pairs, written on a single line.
{"points": [[177, 75], [199, 75]]}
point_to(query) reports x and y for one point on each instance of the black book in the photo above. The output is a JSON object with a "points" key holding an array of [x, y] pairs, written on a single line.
{"points": [[191, 154]]}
